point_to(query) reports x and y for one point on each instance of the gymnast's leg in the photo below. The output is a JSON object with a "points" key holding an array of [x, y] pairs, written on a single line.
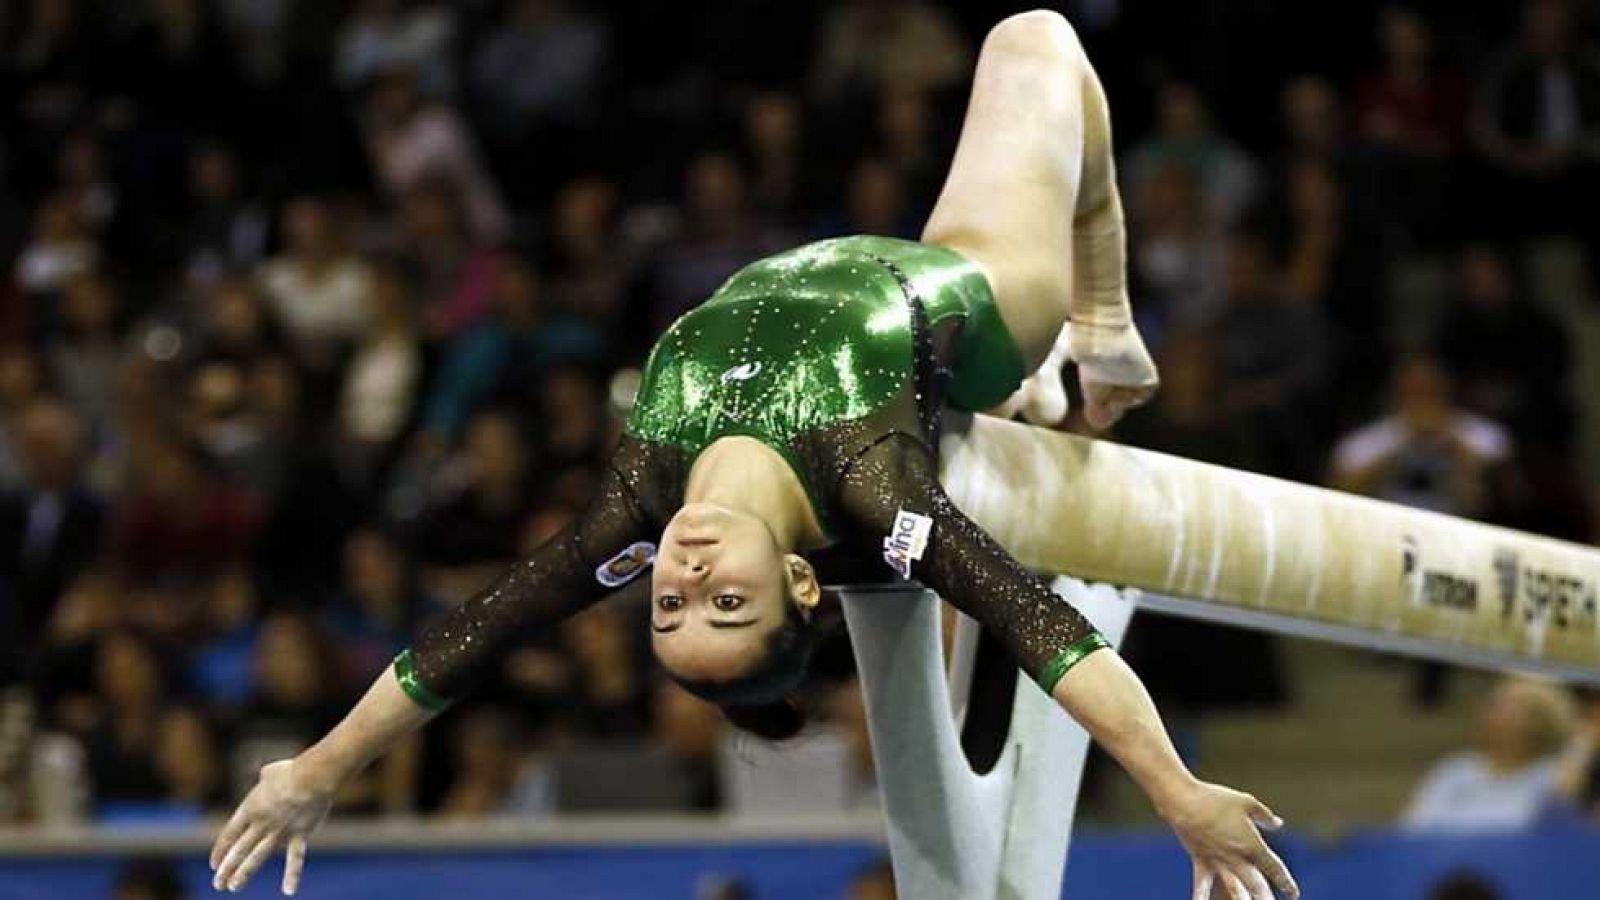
{"points": [[1031, 197]]}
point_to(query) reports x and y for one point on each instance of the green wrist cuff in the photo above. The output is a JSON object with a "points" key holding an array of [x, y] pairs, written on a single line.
{"points": [[405, 672], [1066, 659]]}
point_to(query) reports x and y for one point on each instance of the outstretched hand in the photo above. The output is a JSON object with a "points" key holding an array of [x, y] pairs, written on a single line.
{"points": [[1219, 828], [281, 810]]}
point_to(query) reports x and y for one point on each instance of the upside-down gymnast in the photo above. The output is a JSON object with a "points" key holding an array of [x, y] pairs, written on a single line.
{"points": [[798, 408]]}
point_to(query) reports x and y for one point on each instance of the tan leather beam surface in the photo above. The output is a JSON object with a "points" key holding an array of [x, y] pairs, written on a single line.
{"points": [[1104, 512]]}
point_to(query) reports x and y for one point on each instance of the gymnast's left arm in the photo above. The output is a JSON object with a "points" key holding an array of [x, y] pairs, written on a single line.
{"points": [[892, 493]]}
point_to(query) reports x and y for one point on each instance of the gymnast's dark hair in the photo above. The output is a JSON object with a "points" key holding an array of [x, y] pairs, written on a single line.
{"points": [[762, 701]]}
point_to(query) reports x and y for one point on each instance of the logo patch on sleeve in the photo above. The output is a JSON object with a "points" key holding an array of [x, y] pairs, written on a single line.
{"points": [[625, 566], [907, 541]]}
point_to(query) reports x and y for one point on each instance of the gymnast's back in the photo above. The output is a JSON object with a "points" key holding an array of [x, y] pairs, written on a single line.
{"points": [[826, 354]]}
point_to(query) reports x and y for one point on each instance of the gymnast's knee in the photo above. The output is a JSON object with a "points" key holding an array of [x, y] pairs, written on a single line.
{"points": [[1034, 33]]}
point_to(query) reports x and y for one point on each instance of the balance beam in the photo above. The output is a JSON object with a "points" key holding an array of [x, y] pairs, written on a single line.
{"points": [[1248, 550]]}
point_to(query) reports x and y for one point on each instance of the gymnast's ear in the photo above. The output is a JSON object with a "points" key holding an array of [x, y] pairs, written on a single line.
{"points": [[801, 577]]}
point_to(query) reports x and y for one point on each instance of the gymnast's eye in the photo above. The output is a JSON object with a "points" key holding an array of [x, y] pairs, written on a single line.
{"points": [[670, 602], [728, 602]]}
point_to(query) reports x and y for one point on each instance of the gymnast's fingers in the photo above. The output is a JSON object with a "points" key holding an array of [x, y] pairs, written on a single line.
{"points": [[1263, 816], [1272, 866], [236, 855], [1235, 887], [1202, 883], [228, 836], [258, 855], [1259, 889], [294, 862]]}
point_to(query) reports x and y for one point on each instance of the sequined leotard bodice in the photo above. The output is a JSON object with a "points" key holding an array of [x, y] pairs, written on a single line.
{"points": [[825, 354]]}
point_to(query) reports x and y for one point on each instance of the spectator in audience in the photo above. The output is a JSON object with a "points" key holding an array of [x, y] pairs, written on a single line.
{"points": [[611, 695], [413, 142], [86, 357], [573, 427], [589, 262], [493, 775], [1228, 179], [542, 62], [382, 378], [174, 69], [874, 203], [1537, 124], [221, 650], [225, 419], [869, 44], [294, 698], [1410, 105], [908, 137], [1185, 418], [178, 522], [21, 383], [374, 615], [317, 288], [223, 231], [1272, 353], [487, 491], [131, 690], [1510, 775], [1175, 258], [1411, 114], [506, 356], [455, 271], [1512, 361], [50, 530], [188, 763], [52, 58], [235, 324], [1427, 452], [383, 35], [1331, 263], [716, 239], [774, 149], [64, 677], [691, 730], [1579, 773], [61, 248], [82, 179], [1313, 121]]}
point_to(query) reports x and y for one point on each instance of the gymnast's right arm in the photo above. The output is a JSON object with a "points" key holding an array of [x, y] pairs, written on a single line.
{"points": [[1061, 650], [560, 578]]}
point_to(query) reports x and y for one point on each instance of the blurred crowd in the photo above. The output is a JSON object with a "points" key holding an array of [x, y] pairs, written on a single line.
{"points": [[315, 310]]}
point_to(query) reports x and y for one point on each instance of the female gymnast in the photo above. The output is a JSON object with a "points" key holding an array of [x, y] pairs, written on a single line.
{"points": [[798, 408]]}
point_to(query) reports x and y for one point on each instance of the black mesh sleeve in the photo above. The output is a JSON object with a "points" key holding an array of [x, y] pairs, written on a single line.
{"points": [[608, 544], [961, 562]]}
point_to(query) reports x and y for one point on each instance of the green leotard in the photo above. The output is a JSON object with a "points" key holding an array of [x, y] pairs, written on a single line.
{"points": [[826, 354]]}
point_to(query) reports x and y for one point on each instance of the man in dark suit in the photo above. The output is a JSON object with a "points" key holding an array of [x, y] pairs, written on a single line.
{"points": [[50, 530]]}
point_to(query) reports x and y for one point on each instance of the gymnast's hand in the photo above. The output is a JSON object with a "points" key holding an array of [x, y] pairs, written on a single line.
{"points": [[1218, 827], [283, 808]]}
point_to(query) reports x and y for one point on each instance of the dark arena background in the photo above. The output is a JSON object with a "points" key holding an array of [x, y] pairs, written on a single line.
{"points": [[316, 313]]}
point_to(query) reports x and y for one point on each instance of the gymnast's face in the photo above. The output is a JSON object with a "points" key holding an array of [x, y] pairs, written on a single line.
{"points": [[720, 586]]}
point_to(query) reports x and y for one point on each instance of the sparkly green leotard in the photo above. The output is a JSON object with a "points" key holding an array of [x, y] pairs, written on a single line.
{"points": [[825, 353], [819, 335]]}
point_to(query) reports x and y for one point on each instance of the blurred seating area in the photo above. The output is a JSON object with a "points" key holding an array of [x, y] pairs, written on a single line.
{"points": [[313, 312]]}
